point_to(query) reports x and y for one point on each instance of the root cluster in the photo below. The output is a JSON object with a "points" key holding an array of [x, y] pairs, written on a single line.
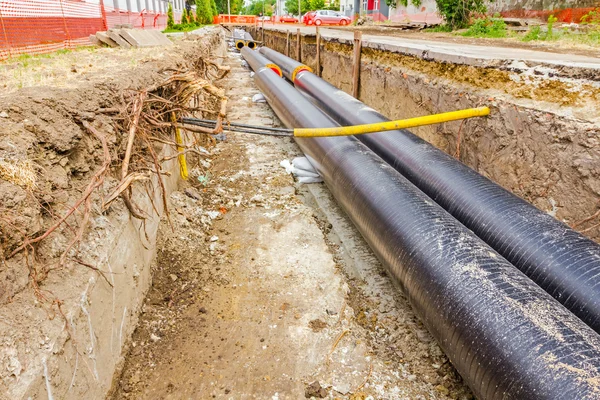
{"points": [[149, 134]]}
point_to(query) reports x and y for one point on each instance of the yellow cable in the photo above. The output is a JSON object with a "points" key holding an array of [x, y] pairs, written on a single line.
{"points": [[392, 125], [183, 171]]}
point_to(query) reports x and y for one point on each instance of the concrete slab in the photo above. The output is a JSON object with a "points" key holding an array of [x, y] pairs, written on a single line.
{"points": [[103, 37], [115, 34], [96, 41], [139, 38], [161, 38]]}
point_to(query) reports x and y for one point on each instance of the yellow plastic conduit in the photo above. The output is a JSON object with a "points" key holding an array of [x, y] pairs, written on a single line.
{"points": [[392, 125], [183, 170]]}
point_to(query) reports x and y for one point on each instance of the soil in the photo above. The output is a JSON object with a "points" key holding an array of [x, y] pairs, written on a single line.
{"points": [[263, 301], [41, 107], [512, 43], [51, 315]]}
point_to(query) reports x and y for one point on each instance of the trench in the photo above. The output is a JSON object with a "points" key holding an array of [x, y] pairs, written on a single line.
{"points": [[276, 297], [198, 324]]}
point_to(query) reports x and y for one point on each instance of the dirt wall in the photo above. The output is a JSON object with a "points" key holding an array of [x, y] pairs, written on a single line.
{"points": [[541, 140], [63, 334]]}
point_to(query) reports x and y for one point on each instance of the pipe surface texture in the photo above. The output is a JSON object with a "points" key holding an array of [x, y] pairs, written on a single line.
{"points": [[257, 60], [507, 337], [562, 261]]}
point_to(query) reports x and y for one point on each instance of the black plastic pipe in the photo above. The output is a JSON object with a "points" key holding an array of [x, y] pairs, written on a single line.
{"points": [[249, 40], [562, 261], [506, 336], [258, 60]]}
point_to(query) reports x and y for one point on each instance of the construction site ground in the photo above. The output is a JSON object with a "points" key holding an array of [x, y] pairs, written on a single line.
{"points": [[260, 287]]}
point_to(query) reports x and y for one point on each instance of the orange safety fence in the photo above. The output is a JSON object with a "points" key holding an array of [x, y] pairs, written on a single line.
{"points": [[37, 26], [42, 26], [235, 19], [142, 19]]}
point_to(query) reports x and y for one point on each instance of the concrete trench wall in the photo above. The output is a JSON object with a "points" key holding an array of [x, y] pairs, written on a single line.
{"points": [[101, 318], [532, 148]]}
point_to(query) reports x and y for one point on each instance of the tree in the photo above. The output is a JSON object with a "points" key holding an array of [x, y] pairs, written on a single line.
{"points": [[456, 13], [203, 12], [170, 20], [317, 4], [292, 6], [184, 16], [213, 6]]}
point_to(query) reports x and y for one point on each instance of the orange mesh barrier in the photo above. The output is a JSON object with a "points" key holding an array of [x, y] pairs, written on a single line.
{"points": [[235, 19], [42, 26]]}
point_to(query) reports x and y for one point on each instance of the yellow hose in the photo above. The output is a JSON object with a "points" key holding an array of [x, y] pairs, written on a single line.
{"points": [[392, 125], [183, 171]]}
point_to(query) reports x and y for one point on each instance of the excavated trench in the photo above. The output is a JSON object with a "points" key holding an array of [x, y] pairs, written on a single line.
{"points": [[262, 287], [192, 337]]}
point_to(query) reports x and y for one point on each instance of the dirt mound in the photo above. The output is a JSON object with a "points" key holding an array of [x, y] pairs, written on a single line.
{"points": [[42, 137]]}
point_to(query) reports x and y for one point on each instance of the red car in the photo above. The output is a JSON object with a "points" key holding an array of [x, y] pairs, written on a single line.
{"points": [[288, 18], [309, 17], [329, 17]]}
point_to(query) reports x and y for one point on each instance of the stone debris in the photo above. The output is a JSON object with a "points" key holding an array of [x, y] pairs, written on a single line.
{"points": [[315, 390]]}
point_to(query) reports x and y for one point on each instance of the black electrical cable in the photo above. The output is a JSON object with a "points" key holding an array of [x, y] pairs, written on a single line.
{"points": [[213, 122], [254, 131], [507, 337]]}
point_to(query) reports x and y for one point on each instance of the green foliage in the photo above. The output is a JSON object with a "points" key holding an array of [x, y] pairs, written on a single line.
{"points": [[183, 27], [170, 20], [292, 6], [184, 17], [392, 3], [256, 7], [591, 18], [191, 17], [440, 28], [317, 4], [551, 20], [213, 6], [334, 6], [456, 13], [534, 33], [487, 28], [204, 12]]}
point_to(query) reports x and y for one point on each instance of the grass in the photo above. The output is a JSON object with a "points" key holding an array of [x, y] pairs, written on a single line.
{"points": [[496, 28], [439, 28], [183, 28], [35, 60], [487, 28]]}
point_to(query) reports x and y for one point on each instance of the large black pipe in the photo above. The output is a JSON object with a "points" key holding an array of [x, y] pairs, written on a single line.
{"points": [[258, 60], [249, 40], [562, 261], [507, 337]]}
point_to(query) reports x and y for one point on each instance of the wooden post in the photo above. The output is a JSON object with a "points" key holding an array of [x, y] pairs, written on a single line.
{"points": [[318, 52], [287, 43], [263, 30], [298, 48], [356, 63]]}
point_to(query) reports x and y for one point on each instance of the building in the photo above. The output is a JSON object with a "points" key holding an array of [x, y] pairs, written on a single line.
{"points": [[378, 10]]}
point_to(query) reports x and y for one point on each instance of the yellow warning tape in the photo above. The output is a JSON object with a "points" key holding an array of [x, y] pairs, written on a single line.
{"points": [[392, 125]]}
